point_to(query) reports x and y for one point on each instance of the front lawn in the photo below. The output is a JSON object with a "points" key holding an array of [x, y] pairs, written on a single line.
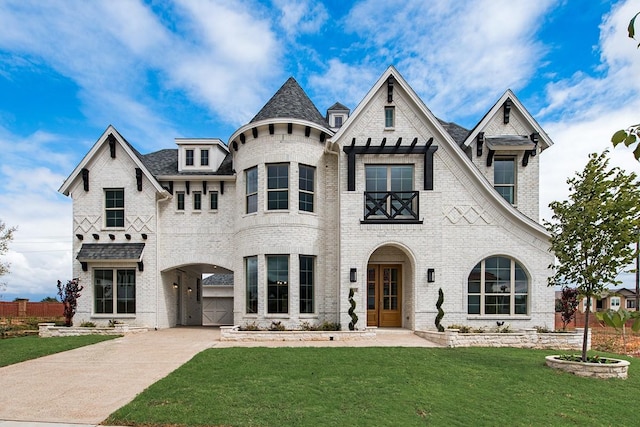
{"points": [[15, 350], [378, 387]]}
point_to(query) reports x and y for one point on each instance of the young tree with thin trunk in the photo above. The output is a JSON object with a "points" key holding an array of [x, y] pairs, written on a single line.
{"points": [[593, 233], [6, 235]]}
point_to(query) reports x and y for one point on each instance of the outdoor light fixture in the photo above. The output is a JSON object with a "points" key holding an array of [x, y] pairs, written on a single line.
{"points": [[189, 289], [175, 286], [431, 275], [353, 275]]}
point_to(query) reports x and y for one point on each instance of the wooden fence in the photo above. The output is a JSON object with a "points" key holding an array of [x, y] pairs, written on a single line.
{"points": [[24, 308]]}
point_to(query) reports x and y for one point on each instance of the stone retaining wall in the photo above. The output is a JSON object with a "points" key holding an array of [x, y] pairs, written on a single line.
{"points": [[592, 370], [48, 330], [529, 338], [232, 333]]}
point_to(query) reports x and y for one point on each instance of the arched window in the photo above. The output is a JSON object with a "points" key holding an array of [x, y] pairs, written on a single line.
{"points": [[497, 286]]}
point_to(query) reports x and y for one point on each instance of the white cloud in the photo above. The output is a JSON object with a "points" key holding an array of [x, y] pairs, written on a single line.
{"points": [[301, 17], [453, 54]]}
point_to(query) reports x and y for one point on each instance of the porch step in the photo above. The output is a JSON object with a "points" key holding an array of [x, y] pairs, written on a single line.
{"points": [[393, 331]]}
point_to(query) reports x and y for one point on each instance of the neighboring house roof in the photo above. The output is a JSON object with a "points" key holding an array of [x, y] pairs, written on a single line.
{"points": [[216, 279], [110, 251], [291, 102], [165, 162]]}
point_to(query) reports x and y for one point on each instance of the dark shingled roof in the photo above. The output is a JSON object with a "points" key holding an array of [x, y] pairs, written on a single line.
{"points": [[115, 251], [165, 162], [218, 280], [338, 106], [509, 140], [290, 102], [457, 132]]}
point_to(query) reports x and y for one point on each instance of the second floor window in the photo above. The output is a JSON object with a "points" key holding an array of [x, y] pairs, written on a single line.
{"points": [[114, 207], [251, 180], [389, 192], [189, 158], [389, 117], [204, 157], [278, 187], [180, 201], [504, 177], [197, 200], [213, 199], [306, 186]]}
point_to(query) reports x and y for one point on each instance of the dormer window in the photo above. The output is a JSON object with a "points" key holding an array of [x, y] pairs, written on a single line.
{"points": [[204, 157], [189, 158], [337, 121]]}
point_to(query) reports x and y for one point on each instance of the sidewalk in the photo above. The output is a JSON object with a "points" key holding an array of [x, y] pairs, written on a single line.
{"points": [[82, 387]]}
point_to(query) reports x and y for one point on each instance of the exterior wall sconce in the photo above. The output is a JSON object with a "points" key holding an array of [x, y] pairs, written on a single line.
{"points": [[175, 286], [189, 289], [431, 275], [353, 275]]}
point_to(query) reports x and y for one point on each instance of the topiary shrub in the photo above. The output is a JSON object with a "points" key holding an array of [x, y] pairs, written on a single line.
{"points": [[354, 316], [440, 311]]}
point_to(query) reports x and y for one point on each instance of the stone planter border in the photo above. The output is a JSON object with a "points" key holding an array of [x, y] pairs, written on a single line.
{"points": [[592, 370], [233, 333], [48, 330], [528, 338]]}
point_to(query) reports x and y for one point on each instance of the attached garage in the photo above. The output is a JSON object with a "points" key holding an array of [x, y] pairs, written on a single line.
{"points": [[217, 300]]}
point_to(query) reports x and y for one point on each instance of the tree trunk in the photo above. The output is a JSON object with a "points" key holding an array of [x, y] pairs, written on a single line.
{"points": [[586, 330]]}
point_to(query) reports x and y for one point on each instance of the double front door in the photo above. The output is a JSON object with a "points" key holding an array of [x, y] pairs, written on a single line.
{"points": [[384, 292]]}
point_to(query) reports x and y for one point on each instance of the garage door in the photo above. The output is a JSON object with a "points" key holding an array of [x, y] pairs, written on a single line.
{"points": [[217, 311]]}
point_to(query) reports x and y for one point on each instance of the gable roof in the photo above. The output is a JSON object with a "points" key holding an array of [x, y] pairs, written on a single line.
{"points": [[545, 141], [338, 107], [290, 102], [456, 150], [135, 156], [165, 163]]}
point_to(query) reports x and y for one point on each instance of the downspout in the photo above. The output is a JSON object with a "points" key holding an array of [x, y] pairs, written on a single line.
{"points": [[158, 281], [328, 150]]}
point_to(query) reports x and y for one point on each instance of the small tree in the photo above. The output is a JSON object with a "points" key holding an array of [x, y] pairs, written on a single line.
{"points": [[6, 235], [69, 295], [49, 299], [592, 233], [568, 305]]}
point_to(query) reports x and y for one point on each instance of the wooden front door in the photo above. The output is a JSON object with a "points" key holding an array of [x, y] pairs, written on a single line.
{"points": [[384, 295]]}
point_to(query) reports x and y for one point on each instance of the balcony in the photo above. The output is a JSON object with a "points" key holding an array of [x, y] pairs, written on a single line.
{"points": [[391, 207]]}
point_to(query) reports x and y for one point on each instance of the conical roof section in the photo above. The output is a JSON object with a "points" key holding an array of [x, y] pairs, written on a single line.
{"points": [[290, 102]]}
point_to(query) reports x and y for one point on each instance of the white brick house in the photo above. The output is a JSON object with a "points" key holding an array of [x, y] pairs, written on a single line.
{"points": [[298, 208]]}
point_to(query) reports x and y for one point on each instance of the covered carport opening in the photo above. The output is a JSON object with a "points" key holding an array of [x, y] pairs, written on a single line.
{"points": [[217, 298]]}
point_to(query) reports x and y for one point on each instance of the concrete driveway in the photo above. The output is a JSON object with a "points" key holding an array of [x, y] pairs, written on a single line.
{"points": [[85, 385]]}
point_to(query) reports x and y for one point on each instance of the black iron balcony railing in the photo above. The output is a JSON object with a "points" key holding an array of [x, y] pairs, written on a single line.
{"points": [[386, 206]]}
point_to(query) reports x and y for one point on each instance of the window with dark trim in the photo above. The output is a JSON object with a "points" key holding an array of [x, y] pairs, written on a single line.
{"points": [[504, 177], [189, 158], [204, 157], [251, 178], [197, 200], [180, 201], [306, 187], [497, 286], [251, 281], [306, 284], [278, 187], [114, 207], [389, 117], [278, 284], [123, 293], [213, 200]]}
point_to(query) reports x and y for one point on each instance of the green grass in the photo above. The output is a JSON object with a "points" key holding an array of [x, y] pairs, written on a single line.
{"points": [[379, 387], [15, 350]]}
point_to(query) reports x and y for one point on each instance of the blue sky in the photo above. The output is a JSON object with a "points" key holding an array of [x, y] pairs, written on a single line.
{"points": [[160, 70]]}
